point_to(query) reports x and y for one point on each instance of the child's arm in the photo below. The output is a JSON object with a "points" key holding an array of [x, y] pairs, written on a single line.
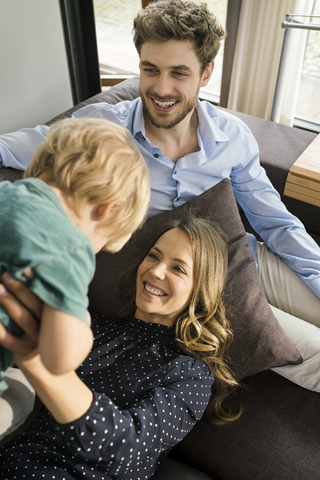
{"points": [[64, 340]]}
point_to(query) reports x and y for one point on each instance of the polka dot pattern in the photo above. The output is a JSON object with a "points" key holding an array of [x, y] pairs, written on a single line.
{"points": [[150, 396]]}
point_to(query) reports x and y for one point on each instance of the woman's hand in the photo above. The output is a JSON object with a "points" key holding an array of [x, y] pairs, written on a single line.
{"points": [[24, 307], [65, 396]]}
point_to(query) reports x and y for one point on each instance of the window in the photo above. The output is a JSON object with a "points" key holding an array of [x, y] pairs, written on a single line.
{"points": [[114, 21], [307, 114]]}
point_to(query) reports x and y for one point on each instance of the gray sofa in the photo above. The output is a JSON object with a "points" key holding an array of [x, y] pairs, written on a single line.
{"points": [[278, 435]]}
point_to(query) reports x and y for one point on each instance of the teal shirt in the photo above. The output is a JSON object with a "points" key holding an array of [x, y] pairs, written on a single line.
{"points": [[36, 232]]}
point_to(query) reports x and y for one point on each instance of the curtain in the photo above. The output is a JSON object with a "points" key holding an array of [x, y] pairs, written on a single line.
{"points": [[257, 57]]}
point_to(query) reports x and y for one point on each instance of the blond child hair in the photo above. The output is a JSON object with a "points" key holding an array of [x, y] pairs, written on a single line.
{"points": [[95, 161]]}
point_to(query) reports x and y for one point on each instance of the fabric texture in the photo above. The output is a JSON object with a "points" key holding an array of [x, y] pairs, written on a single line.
{"points": [[16, 403], [259, 342], [284, 289], [306, 338], [297, 309], [276, 438], [174, 470], [150, 396], [37, 233]]}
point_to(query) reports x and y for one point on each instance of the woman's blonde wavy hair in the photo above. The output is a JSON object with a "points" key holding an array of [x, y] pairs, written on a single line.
{"points": [[202, 330], [95, 161]]}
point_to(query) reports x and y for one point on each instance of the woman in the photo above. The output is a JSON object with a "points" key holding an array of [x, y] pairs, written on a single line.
{"points": [[154, 370]]}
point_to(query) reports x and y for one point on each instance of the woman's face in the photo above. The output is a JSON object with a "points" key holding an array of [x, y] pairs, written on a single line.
{"points": [[165, 279]]}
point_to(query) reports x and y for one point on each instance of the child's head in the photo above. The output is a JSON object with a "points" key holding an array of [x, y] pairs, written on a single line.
{"points": [[96, 161]]}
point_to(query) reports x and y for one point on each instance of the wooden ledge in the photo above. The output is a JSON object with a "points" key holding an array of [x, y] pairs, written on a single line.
{"points": [[303, 181]]}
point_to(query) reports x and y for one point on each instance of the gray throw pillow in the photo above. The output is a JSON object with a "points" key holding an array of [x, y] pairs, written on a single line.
{"points": [[259, 341]]}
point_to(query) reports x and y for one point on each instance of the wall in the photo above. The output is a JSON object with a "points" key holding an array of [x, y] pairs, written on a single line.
{"points": [[34, 78]]}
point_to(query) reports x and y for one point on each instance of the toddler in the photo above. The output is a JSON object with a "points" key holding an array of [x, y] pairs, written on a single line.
{"points": [[86, 189]]}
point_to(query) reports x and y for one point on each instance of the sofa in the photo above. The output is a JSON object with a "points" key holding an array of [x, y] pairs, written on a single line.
{"points": [[278, 436]]}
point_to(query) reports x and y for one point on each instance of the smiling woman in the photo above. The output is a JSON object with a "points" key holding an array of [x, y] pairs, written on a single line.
{"points": [[179, 281], [165, 279], [154, 367]]}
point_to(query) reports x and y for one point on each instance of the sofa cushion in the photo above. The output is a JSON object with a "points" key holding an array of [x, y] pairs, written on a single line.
{"points": [[127, 90], [173, 470], [276, 438], [259, 342]]}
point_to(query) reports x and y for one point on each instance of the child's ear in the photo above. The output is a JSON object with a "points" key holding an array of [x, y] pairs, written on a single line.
{"points": [[104, 210]]}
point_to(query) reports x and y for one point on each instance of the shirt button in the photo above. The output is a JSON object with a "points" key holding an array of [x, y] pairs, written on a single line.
{"points": [[156, 155], [174, 172]]}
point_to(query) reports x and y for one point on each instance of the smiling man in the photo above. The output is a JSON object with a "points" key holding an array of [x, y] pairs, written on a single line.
{"points": [[169, 88], [169, 93], [190, 146]]}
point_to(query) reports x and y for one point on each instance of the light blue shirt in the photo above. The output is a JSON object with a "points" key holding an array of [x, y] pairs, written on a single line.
{"points": [[227, 150]]}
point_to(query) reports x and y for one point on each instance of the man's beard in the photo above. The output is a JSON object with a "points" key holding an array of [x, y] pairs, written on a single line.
{"points": [[188, 107]]}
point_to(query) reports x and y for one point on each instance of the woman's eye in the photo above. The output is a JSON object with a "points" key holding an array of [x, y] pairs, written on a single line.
{"points": [[180, 270], [153, 256]]}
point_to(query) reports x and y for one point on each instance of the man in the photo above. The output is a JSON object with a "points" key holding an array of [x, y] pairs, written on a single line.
{"points": [[190, 146]]}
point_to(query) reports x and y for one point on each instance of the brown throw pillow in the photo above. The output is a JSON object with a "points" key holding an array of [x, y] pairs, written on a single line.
{"points": [[259, 341]]}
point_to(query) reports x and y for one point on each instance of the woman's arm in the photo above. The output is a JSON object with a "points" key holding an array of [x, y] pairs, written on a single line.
{"points": [[133, 438], [65, 396]]}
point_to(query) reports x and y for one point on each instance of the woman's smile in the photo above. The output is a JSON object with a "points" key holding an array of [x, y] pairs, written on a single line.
{"points": [[149, 288], [165, 279]]}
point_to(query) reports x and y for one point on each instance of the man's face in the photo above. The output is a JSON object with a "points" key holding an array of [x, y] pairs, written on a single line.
{"points": [[170, 81]]}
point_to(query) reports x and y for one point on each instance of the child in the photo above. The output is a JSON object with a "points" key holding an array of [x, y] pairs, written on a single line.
{"points": [[90, 190]]}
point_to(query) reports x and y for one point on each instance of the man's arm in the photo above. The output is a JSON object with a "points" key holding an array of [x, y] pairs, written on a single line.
{"points": [[281, 231], [17, 149]]}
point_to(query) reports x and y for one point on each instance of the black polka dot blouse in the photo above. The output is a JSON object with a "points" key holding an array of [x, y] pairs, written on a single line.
{"points": [[150, 396]]}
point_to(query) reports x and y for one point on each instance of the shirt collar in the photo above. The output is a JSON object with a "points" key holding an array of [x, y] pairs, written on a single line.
{"points": [[208, 128], [138, 121]]}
